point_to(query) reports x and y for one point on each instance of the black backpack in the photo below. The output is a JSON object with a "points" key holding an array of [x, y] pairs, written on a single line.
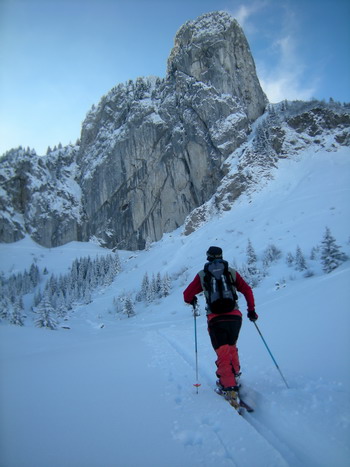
{"points": [[219, 286]]}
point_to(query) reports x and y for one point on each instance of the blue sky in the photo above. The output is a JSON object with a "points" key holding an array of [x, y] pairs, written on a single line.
{"points": [[58, 57]]}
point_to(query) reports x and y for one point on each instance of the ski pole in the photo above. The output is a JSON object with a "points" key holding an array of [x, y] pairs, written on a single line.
{"points": [[278, 368], [197, 384]]}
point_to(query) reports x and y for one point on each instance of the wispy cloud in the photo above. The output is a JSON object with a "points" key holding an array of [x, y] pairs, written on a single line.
{"points": [[246, 11], [286, 79], [281, 68]]}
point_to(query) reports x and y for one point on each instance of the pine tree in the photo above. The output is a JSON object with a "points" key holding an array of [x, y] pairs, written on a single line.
{"points": [[151, 293], [251, 255], [290, 259], [111, 269], [300, 263], [45, 312], [61, 305], [34, 275], [166, 285], [5, 306], [128, 307], [331, 254], [144, 292], [271, 255], [251, 271], [52, 285], [158, 286], [117, 264], [16, 316]]}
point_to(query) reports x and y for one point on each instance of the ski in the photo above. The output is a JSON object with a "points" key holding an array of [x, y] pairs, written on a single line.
{"points": [[245, 406], [236, 404]]}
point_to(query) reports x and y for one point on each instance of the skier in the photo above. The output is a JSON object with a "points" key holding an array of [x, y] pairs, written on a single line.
{"points": [[224, 326]]}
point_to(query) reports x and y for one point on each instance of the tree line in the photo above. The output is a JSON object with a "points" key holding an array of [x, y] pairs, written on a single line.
{"points": [[53, 300], [328, 253], [152, 288], [54, 296]]}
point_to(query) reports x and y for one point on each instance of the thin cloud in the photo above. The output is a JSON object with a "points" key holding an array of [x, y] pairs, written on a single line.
{"points": [[244, 13], [281, 69], [287, 78]]}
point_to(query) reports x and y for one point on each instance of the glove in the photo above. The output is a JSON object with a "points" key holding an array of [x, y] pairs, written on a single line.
{"points": [[252, 315], [194, 302]]}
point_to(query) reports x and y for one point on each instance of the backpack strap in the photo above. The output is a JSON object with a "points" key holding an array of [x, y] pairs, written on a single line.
{"points": [[232, 276], [205, 278]]}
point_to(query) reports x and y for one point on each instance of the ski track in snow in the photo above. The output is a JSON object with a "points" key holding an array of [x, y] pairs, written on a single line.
{"points": [[276, 420], [276, 445]]}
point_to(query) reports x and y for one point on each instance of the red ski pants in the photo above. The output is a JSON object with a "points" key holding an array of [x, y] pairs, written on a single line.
{"points": [[224, 335]]}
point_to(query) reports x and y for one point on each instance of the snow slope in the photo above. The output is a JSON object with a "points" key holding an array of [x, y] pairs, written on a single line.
{"points": [[113, 391]]}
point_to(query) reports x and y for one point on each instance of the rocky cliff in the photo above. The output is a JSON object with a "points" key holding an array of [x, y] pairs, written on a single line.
{"points": [[155, 150], [284, 131], [149, 153]]}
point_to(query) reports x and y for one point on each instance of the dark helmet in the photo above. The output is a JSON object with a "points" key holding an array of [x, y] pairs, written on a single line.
{"points": [[214, 252]]}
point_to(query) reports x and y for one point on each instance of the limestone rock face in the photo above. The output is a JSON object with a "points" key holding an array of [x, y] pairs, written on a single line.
{"points": [[213, 49], [284, 131], [150, 152], [164, 158], [39, 197]]}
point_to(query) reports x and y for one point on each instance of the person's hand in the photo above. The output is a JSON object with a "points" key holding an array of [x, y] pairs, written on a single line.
{"points": [[194, 302], [252, 315]]}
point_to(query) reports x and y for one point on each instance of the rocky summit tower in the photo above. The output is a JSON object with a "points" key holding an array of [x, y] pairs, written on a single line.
{"points": [[214, 50]]}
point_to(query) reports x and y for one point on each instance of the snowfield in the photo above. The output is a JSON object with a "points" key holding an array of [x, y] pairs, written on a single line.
{"points": [[117, 391]]}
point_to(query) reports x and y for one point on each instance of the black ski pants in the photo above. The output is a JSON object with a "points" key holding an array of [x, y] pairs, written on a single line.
{"points": [[224, 330]]}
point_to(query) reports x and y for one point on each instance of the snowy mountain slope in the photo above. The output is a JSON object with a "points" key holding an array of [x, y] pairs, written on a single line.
{"points": [[125, 397], [122, 394]]}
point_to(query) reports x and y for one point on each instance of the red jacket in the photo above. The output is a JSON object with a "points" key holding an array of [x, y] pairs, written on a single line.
{"points": [[195, 287]]}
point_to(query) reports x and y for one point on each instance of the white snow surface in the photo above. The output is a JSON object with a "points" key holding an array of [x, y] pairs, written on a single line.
{"points": [[112, 391]]}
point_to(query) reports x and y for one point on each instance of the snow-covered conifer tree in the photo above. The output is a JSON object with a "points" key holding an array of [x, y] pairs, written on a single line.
{"points": [[61, 305], [158, 286], [331, 254], [290, 259], [251, 255], [26, 284], [34, 275], [144, 288], [16, 316], [151, 293], [166, 285], [46, 314], [253, 275], [5, 306], [128, 307], [117, 264], [271, 254], [300, 263], [74, 271], [111, 270]]}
